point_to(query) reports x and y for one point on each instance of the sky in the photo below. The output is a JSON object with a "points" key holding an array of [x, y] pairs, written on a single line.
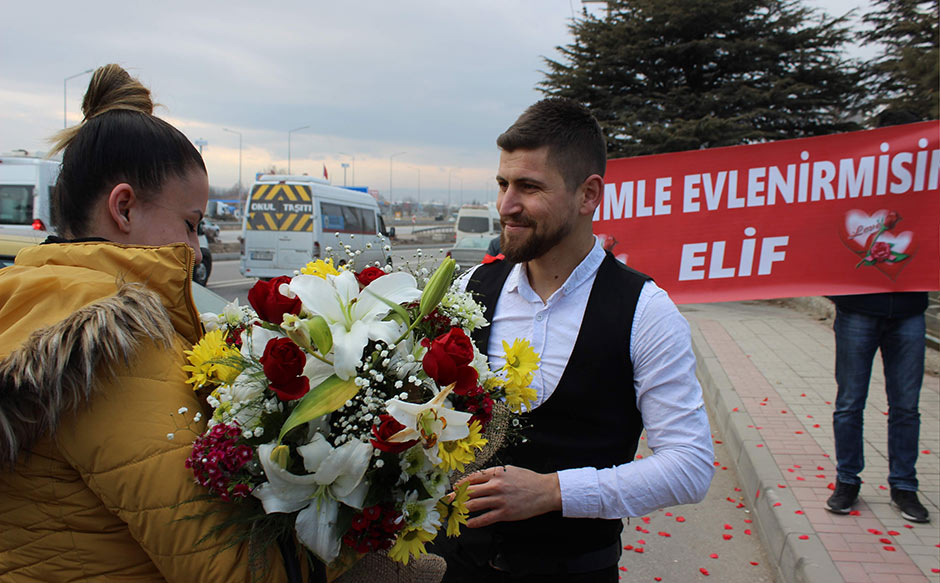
{"points": [[410, 94]]}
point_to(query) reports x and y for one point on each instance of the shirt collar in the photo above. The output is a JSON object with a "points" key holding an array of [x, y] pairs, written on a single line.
{"points": [[518, 282]]}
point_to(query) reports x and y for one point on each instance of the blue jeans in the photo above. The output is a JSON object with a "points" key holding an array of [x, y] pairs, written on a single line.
{"points": [[858, 337]]}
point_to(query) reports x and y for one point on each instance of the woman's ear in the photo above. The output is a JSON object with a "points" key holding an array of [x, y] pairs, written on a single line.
{"points": [[121, 201]]}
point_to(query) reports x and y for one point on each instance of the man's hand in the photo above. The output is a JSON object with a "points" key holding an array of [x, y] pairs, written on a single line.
{"points": [[510, 493]]}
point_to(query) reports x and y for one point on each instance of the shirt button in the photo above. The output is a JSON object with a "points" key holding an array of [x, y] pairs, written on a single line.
{"points": [[539, 317]]}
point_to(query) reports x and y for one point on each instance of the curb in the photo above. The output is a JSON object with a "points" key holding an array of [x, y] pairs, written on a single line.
{"points": [[796, 560]]}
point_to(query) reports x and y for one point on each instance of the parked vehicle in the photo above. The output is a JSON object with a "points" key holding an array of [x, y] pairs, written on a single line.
{"points": [[26, 182], [469, 251], [291, 220], [211, 230], [477, 221]]}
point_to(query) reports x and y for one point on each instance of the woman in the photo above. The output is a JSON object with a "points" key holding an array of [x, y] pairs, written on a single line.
{"points": [[92, 331]]}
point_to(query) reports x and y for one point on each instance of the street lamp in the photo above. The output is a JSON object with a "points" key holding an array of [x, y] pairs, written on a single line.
{"points": [[345, 166], [353, 165], [391, 199], [65, 119], [289, 132], [449, 174], [239, 158]]}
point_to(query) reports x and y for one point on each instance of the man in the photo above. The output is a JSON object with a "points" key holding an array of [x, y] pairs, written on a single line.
{"points": [[615, 357], [893, 322]]}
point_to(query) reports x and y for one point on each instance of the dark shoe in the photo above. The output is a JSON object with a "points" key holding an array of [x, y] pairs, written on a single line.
{"points": [[843, 498], [907, 502]]}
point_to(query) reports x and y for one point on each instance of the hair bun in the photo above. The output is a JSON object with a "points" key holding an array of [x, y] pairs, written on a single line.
{"points": [[112, 88]]}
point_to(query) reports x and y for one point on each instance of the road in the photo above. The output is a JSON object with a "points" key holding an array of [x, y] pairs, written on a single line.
{"points": [[673, 545]]}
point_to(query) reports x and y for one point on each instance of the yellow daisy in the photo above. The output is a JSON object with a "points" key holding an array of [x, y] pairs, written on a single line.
{"points": [[206, 365], [458, 509], [521, 361], [320, 268], [410, 543], [518, 395], [459, 452]]}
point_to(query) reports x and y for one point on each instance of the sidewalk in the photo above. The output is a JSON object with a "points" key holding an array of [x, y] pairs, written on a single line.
{"points": [[767, 374]]}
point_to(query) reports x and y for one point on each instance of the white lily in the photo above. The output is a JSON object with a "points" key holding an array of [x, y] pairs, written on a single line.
{"points": [[335, 477], [355, 317], [429, 422]]}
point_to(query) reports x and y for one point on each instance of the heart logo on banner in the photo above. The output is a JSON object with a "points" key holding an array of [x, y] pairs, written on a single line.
{"points": [[858, 234]]}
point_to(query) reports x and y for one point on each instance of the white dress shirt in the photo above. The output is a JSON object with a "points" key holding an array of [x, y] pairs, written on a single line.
{"points": [[668, 394]]}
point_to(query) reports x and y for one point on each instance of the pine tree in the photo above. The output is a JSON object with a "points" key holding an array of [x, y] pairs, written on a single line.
{"points": [[906, 75], [671, 75]]}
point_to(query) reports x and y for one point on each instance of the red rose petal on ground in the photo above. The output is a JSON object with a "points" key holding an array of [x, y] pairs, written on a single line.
{"points": [[713, 555], [638, 550], [926, 452], [628, 547], [777, 504], [728, 527], [896, 533], [703, 571], [668, 513], [680, 519], [623, 569], [798, 466], [657, 578], [760, 445], [665, 534], [882, 487], [908, 526], [791, 470], [798, 512], [798, 432], [820, 468], [747, 531], [716, 464], [855, 513], [781, 486], [874, 531], [821, 476], [829, 402], [784, 411], [718, 441], [890, 549], [755, 563], [885, 413], [640, 541], [724, 467], [736, 489], [885, 541], [740, 505], [816, 425], [639, 456], [646, 519], [639, 528], [802, 394], [801, 478], [935, 570], [730, 499], [735, 409], [831, 486], [748, 520], [803, 537], [727, 536]]}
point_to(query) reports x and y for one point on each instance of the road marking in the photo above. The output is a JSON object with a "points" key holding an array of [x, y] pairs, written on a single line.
{"points": [[232, 283]]}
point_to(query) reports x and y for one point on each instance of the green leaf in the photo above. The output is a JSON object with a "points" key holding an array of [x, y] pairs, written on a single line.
{"points": [[325, 398], [898, 257]]}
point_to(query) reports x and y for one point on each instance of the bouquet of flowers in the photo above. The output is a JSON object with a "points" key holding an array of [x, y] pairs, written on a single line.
{"points": [[348, 401]]}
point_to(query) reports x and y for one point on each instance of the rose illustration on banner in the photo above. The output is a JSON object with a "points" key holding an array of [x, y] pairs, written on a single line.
{"points": [[871, 237]]}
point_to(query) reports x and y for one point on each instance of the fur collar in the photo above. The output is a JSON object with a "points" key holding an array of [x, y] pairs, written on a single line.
{"points": [[56, 369]]}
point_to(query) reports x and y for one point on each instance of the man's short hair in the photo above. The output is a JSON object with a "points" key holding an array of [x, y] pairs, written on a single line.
{"points": [[576, 145]]}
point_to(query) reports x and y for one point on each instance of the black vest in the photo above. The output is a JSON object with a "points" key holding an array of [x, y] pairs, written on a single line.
{"points": [[590, 420]]}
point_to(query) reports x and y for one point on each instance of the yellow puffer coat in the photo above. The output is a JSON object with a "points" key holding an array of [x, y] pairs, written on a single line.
{"points": [[91, 344]]}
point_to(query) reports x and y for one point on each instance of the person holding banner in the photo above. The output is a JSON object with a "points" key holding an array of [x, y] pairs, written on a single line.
{"points": [[893, 322], [616, 357]]}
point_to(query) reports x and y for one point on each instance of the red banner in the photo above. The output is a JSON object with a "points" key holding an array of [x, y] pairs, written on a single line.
{"points": [[840, 214]]}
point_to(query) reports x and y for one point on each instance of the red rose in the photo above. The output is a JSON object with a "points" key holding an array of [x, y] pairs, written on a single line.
{"points": [[368, 275], [283, 363], [271, 304], [387, 427], [447, 361], [891, 220], [881, 251]]}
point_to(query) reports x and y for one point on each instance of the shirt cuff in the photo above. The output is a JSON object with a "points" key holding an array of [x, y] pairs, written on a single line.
{"points": [[580, 493]]}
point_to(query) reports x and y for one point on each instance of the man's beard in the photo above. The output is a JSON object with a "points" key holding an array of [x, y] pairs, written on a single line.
{"points": [[533, 246]]}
